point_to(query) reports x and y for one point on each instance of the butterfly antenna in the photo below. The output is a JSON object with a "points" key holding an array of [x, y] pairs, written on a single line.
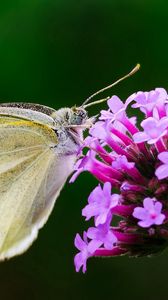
{"points": [[133, 71]]}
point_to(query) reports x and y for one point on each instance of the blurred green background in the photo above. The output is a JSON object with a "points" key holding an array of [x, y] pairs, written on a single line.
{"points": [[57, 52]]}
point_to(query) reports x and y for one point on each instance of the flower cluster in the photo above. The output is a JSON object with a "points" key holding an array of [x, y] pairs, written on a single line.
{"points": [[131, 163]]}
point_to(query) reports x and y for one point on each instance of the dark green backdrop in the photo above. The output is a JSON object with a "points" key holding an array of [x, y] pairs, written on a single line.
{"points": [[57, 52]]}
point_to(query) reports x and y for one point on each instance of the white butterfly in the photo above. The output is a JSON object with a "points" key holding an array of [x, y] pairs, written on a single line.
{"points": [[38, 149]]}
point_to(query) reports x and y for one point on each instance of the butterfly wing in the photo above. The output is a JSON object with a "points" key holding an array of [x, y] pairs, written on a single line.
{"points": [[29, 111], [31, 177]]}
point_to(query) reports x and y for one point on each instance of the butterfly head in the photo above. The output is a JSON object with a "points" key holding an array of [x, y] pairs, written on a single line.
{"points": [[78, 116], [69, 126], [75, 117]]}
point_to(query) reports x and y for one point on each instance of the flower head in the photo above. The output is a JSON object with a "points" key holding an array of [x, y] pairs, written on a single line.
{"points": [[117, 109], [150, 214], [102, 235], [100, 204], [153, 130], [147, 101], [131, 165]]}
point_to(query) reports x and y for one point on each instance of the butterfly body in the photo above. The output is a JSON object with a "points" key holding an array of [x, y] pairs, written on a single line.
{"points": [[38, 149]]}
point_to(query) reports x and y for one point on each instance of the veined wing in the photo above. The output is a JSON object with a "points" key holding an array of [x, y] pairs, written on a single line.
{"points": [[31, 177]]}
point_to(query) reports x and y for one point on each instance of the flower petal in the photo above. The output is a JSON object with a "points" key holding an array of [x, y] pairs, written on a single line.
{"points": [[162, 171], [115, 104], [163, 157], [140, 213], [79, 243], [159, 220], [94, 245], [149, 203], [140, 137]]}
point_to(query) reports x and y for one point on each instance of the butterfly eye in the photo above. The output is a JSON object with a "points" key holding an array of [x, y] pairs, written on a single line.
{"points": [[76, 120], [78, 117], [82, 114]]}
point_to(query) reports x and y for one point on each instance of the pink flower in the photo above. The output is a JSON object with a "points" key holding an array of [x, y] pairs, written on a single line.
{"points": [[130, 164], [85, 252], [116, 110], [102, 235], [150, 214], [162, 171], [100, 204], [147, 101], [122, 163], [153, 130]]}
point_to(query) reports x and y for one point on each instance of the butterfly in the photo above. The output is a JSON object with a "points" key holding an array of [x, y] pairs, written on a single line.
{"points": [[38, 150]]}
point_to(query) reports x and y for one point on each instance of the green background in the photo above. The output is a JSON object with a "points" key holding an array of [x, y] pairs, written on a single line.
{"points": [[57, 52]]}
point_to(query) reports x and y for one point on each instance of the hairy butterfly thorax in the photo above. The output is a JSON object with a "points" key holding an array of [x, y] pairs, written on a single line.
{"points": [[69, 126]]}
